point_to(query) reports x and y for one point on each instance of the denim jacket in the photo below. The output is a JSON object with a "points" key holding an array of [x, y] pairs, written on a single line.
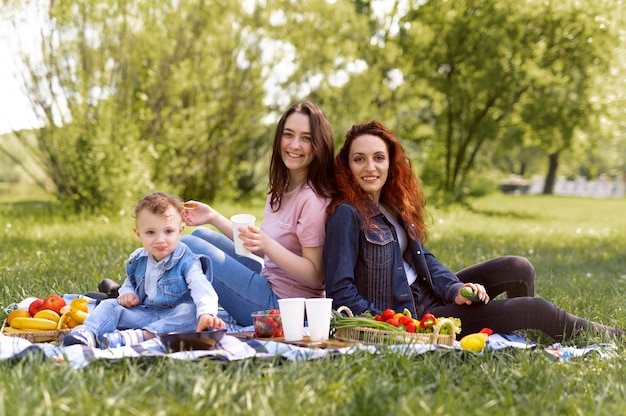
{"points": [[172, 288], [364, 268]]}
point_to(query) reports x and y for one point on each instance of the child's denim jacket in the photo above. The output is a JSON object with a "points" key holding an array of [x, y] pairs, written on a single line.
{"points": [[172, 287]]}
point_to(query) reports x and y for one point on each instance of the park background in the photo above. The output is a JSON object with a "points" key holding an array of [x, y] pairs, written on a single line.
{"points": [[125, 97]]}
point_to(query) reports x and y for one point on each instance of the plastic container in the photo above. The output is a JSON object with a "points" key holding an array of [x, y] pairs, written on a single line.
{"points": [[267, 324]]}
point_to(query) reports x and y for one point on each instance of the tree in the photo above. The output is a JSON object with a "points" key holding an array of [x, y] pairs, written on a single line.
{"points": [[479, 59], [145, 94], [573, 48]]}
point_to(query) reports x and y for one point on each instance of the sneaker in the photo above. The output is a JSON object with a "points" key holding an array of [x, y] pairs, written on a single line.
{"points": [[122, 338], [79, 336]]}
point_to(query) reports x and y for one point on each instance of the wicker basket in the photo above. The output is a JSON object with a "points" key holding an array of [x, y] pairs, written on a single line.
{"points": [[382, 337], [37, 336]]}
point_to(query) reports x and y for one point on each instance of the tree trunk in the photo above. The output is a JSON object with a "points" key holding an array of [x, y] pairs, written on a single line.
{"points": [[553, 164]]}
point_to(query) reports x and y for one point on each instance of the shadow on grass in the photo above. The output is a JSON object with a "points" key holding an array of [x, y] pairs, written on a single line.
{"points": [[492, 213]]}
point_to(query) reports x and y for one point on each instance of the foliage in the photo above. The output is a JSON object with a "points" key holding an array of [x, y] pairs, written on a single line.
{"points": [[486, 62], [183, 96], [575, 244]]}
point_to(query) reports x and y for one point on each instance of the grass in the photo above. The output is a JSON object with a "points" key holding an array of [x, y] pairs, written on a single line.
{"points": [[576, 245]]}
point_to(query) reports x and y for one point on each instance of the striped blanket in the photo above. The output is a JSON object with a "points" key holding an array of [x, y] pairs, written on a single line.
{"points": [[232, 348]]}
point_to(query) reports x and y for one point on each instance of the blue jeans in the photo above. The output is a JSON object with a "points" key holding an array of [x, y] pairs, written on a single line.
{"points": [[236, 279], [110, 315]]}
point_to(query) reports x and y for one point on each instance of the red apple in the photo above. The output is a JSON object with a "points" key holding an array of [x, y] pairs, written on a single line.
{"points": [[54, 303], [35, 306]]}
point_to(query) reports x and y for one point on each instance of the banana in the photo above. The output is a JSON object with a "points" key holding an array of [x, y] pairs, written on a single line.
{"points": [[62, 324], [79, 304], [78, 315], [64, 309], [48, 314], [77, 310], [11, 330], [34, 324]]}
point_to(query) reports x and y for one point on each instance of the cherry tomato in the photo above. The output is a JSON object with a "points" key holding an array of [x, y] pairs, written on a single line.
{"points": [[404, 320], [411, 327], [378, 318], [388, 314], [393, 321]]}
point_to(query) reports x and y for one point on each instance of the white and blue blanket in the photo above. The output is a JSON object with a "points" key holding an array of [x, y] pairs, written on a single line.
{"points": [[233, 348]]}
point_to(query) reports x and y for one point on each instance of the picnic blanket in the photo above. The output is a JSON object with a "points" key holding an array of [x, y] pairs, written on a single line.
{"points": [[233, 348]]}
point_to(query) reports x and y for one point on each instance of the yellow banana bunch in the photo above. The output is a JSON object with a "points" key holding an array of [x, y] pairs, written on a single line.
{"points": [[48, 314], [34, 324], [74, 314]]}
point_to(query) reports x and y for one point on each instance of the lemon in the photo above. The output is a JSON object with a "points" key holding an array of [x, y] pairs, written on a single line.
{"points": [[474, 342]]}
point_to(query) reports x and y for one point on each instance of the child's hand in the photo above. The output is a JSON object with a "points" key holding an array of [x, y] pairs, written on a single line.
{"points": [[128, 300], [209, 321]]}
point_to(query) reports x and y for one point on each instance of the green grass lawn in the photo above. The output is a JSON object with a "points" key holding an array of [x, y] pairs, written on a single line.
{"points": [[576, 245]]}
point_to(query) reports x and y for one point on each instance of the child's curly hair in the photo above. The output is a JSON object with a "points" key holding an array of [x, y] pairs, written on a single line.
{"points": [[157, 203]]}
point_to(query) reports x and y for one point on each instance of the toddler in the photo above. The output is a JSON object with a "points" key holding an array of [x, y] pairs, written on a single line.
{"points": [[167, 288]]}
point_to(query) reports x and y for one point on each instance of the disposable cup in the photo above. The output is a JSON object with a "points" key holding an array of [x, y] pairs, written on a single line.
{"points": [[292, 315], [241, 220], [318, 313]]}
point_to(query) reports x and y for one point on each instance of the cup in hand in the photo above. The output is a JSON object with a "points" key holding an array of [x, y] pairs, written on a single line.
{"points": [[241, 220], [292, 316], [318, 314]]}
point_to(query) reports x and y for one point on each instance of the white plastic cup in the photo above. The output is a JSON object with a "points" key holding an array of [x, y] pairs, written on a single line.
{"points": [[318, 314], [241, 220], [292, 316]]}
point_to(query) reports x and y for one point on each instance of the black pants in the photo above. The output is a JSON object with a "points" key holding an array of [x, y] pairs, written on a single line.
{"points": [[521, 310]]}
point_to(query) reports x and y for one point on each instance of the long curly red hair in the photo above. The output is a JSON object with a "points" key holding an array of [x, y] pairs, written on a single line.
{"points": [[402, 191]]}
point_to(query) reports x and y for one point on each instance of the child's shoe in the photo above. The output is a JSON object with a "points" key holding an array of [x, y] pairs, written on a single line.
{"points": [[79, 335], [109, 287], [122, 338]]}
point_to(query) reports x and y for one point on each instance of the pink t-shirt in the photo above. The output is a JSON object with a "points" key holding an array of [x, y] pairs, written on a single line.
{"points": [[299, 222]]}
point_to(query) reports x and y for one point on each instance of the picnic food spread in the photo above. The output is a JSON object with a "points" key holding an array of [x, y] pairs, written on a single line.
{"points": [[392, 327], [391, 320], [46, 318]]}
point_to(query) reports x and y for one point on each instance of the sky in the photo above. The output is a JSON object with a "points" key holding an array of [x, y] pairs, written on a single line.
{"points": [[15, 110]]}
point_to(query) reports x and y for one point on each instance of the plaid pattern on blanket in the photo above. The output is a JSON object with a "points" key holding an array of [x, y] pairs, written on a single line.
{"points": [[232, 349]]}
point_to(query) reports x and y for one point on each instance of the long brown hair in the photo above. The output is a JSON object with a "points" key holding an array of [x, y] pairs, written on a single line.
{"points": [[321, 171], [402, 191]]}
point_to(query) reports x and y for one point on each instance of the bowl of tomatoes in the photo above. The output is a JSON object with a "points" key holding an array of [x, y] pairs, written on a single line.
{"points": [[267, 324]]}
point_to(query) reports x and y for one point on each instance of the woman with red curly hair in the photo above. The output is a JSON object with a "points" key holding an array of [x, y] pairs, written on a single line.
{"points": [[374, 256]]}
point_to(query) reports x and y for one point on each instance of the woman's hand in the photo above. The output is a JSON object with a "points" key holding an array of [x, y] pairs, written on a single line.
{"points": [[198, 213], [128, 300], [476, 288], [254, 239], [207, 320]]}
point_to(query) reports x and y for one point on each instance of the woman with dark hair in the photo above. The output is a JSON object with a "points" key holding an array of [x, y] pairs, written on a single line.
{"points": [[291, 237], [374, 256]]}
